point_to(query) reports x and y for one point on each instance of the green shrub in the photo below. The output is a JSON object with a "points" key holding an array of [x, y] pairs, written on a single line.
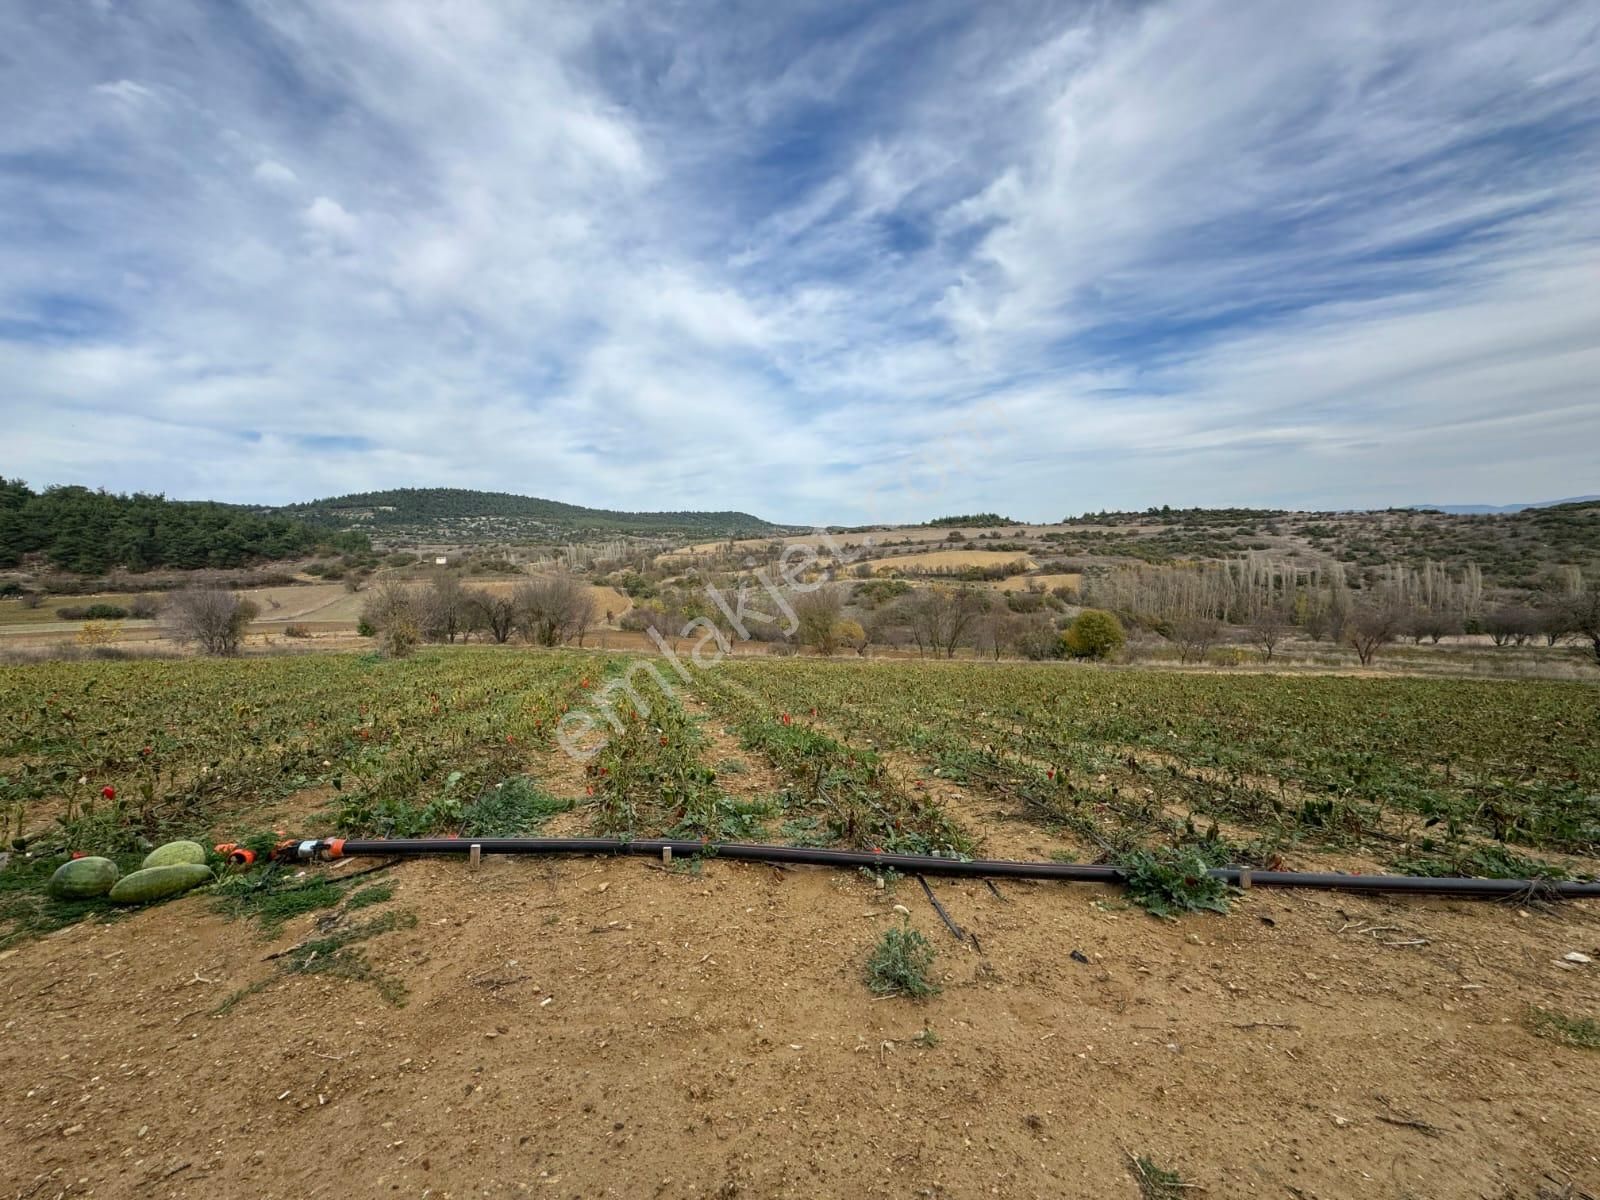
{"points": [[900, 964], [1095, 634], [92, 612]]}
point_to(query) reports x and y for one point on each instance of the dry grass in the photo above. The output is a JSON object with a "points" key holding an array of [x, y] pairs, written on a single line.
{"points": [[949, 560], [1021, 583]]}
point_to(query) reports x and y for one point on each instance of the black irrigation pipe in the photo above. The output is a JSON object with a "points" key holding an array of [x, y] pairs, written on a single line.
{"points": [[914, 864]]}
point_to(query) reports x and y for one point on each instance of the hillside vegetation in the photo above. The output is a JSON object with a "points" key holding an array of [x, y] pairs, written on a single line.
{"points": [[461, 514], [1511, 549], [76, 529]]}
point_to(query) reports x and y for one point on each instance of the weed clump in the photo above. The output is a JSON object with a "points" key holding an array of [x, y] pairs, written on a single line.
{"points": [[1157, 1183], [900, 964], [1569, 1031], [270, 903], [1173, 882], [512, 808], [335, 954], [1487, 862]]}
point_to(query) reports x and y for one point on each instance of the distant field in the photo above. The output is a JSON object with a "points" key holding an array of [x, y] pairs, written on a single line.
{"points": [[329, 605], [949, 560], [1021, 583]]}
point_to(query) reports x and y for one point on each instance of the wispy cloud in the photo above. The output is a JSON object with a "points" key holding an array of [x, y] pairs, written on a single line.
{"points": [[817, 261]]}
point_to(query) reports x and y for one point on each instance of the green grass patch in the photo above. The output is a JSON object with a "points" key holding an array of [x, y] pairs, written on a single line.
{"points": [[273, 900], [337, 954], [1569, 1031], [368, 896], [515, 807]]}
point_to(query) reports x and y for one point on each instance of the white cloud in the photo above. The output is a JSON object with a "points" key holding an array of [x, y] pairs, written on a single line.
{"points": [[329, 217], [275, 173], [1190, 252]]}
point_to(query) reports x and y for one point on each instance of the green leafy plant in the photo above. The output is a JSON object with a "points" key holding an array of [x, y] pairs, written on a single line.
{"points": [[900, 964], [1173, 882]]}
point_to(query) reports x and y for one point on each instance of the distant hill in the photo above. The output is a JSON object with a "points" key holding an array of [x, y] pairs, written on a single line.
{"points": [[1479, 509], [1513, 549], [464, 515], [90, 532]]}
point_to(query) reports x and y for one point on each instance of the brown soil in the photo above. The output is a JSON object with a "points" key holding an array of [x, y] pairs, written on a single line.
{"points": [[562, 775], [583, 1028], [759, 777]]}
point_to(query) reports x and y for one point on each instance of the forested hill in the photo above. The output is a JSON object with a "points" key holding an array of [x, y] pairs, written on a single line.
{"points": [[461, 514], [76, 529]]}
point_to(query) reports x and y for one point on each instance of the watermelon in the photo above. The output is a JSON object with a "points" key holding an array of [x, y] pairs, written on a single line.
{"points": [[174, 852], [159, 883], [83, 878]]}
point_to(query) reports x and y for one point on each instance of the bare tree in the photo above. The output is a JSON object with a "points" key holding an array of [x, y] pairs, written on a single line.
{"points": [[445, 612], [1267, 629], [942, 617], [553, 609], [1372, 626], [1555, 620], [493, 612], [1194, 636], [1583, 611], [212, 617], [1431, 625], [1510, 624]]}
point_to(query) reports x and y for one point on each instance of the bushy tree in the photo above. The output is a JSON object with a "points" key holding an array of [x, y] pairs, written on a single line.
{"points": [[849, 634], [818, 613], [1095, 634], [393, 611]]}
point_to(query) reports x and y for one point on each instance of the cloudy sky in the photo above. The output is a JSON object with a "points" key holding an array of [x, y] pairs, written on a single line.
{"points": [[817, 261]]}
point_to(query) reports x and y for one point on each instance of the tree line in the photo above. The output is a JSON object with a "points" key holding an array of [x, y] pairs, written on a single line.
{"points": [[91, 532], [546, 610]]}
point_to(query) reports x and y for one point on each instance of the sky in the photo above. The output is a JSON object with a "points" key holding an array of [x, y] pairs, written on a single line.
{"points": [[820, 262]]}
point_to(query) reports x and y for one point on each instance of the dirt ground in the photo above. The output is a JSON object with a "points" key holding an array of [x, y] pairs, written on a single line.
{"points": [[584, 1027], [1021, 583]]}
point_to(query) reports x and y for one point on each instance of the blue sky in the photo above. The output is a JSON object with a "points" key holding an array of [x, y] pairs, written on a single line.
{"points": [[822, 262]]}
